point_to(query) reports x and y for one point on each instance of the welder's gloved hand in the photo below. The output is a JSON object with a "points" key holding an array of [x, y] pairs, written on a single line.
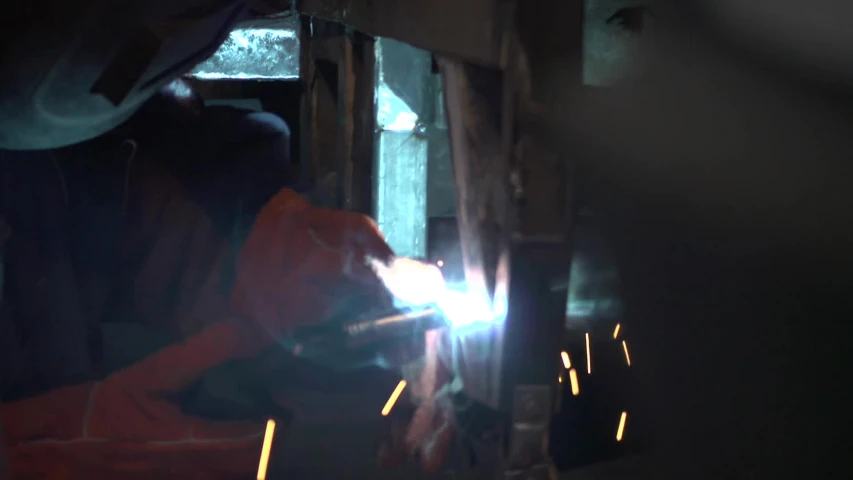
{"points": [[301, 262], [427, 435], [129, 426]]}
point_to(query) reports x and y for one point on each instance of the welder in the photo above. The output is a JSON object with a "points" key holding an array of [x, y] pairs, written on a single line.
{"points": [[181, 221]]}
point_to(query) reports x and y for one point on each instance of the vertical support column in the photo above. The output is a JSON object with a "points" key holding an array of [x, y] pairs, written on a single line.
{"points": [[400, 180], [346, 101], [337, 68], [324, 93], [306, 108], [363, 115], [514, 218]]}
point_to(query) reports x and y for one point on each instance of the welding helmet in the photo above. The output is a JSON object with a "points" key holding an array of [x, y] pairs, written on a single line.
{"points": [[72, 70]]}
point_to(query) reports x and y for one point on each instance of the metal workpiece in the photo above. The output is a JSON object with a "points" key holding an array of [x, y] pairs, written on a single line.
{"points": [[514, 248], [473, 99], [513, 202], [266, 49]]}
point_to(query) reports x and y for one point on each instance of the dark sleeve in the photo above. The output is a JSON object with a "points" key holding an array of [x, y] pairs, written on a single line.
{"points": [[253, 162], [264, 166]]}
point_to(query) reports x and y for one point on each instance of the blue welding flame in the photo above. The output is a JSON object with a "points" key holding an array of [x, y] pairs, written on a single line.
{"points": [[463, 307], [416, 285]]}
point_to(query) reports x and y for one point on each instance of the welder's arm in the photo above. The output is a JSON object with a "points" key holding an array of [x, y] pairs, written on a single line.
{"points": [[296, 264], [341, 254], [299, 262]]}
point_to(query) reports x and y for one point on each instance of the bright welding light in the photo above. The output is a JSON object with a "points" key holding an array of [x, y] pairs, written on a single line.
{"points": [[417, 284], [411, 282], [464, 308]]}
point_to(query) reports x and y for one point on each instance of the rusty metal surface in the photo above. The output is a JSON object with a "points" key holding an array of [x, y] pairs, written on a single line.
{"points": [[514, 219], [481, 181]]}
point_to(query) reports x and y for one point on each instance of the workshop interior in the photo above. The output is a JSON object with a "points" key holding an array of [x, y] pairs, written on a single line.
{"points": [[450, 123]]}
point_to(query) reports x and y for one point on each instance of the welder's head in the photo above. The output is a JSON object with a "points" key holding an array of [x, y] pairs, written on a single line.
{"points": [[177, 103]]}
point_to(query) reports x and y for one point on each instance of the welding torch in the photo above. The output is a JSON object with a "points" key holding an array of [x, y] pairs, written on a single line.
{"points": [[368, 332]]}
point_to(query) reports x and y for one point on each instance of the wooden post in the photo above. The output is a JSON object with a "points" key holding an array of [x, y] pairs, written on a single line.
{"points": [[364, 122], [337, 112]]}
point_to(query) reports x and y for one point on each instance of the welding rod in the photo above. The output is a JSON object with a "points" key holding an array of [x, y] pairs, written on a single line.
{"points": [[391, 320]]}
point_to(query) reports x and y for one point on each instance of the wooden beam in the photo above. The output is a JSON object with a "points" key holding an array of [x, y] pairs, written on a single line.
{"points": [[364, 121], [337, 109], [441, 26]]}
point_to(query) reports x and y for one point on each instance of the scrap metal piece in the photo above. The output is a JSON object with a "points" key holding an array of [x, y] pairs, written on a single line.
{"points": [[257, 50]]}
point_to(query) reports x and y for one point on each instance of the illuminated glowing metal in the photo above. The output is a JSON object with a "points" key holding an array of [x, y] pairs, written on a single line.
{"points": [[621, 431], [393, 398], [567, 362], [625, 349], [573, 376], [588, 356], [616, 330], [413, 283], [259, 50], [514, 243], [266, 449]]}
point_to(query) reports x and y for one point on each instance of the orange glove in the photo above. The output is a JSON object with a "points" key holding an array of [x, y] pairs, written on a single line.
{"points": [[300, 261], [126, 426], [297, 262]]}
